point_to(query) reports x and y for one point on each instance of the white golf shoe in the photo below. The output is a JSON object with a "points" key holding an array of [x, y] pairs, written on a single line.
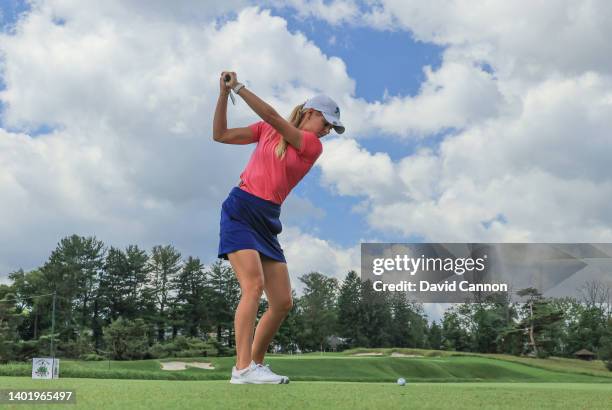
{"points": [[267, 369], [255, 374]]}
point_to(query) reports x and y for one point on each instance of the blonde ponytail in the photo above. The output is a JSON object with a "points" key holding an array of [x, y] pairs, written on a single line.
{"points": [[295, 118]]}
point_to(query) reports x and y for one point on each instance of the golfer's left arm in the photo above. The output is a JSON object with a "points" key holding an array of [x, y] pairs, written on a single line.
{"points": [[292, 134]]}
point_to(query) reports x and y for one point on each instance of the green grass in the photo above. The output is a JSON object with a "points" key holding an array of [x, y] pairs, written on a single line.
{"points": [[561, 364], [557, 364], [335, 380], [156, 394], [445, 367]]}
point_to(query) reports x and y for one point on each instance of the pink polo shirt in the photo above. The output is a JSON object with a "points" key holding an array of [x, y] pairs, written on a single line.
{"points": [[271, 178]]}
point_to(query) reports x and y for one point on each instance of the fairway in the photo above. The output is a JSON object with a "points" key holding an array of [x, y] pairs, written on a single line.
{"points": [[158, 394], [334, 380], [343, 367]]}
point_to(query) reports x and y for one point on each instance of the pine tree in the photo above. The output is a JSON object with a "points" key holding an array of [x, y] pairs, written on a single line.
{"points": [[73, 272], [318, 309], [191, 299], [434, 336], [350, 311], [224, 299], [164, 264], [376, 322], [408, 327], [539, 318], [10, 319], [454, 333]]}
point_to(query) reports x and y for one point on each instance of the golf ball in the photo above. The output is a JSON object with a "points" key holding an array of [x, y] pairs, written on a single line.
{"points": [[401, 381]]}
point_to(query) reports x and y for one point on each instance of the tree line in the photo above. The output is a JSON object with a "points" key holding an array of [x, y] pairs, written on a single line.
{"points": [[92, 301]]}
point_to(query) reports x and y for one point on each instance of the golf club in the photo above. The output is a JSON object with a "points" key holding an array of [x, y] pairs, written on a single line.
{"points": [[227, 79]]}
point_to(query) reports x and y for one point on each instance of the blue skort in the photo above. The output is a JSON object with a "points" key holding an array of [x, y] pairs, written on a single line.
{"points": [[250, 222]]}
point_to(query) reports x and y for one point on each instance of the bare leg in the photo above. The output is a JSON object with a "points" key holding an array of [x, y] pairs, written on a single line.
{"points": [[247, 265], [278, 292]]}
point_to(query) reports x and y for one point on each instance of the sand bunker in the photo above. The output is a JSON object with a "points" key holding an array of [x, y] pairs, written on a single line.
{"points": [[183, 365], [395, 354]]}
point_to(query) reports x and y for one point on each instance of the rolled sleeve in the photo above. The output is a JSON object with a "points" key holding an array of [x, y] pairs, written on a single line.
{"points": [[257, 129], [311, 147]]}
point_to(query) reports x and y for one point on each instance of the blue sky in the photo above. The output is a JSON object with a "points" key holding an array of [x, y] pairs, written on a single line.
{"points": [[10, 10], [378, 61]]}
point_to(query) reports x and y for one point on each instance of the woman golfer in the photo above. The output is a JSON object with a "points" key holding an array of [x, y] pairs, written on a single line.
{"points": [[285, 152]]}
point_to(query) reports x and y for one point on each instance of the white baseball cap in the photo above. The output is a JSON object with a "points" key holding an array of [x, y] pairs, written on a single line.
{"points": [[328, 108]]}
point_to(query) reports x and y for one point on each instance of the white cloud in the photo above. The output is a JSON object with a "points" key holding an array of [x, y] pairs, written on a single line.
{"points": [[131, 91], [352, 170], [131, 97], [529, 95], [521, 38], [306, 253], [454, 96], [537, 176]]}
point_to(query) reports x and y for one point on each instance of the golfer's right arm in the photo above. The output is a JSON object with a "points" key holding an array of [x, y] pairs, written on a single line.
{"points": [[291, 134], [220, 131]]}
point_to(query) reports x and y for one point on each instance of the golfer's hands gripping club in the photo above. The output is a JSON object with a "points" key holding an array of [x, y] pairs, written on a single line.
{"points": [[228, 81]]}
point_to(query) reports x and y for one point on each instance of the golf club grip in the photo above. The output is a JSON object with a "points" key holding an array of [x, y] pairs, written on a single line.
{"points": [[227, 79]]}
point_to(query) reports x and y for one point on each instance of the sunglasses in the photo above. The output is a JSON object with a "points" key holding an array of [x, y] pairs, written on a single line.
{"points": [[325, 123]]}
